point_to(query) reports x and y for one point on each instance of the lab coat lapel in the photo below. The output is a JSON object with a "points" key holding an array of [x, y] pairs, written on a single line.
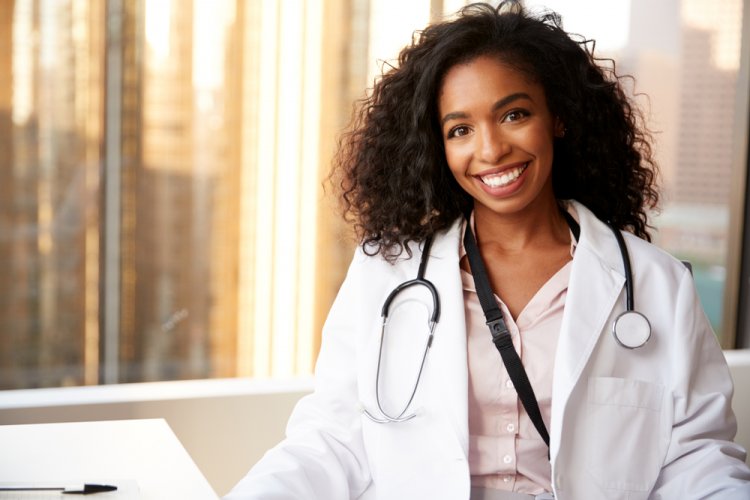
{"points": [[596, 283], [449, 363]]}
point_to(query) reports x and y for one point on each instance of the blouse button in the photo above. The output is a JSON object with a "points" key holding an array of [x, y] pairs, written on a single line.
{"points": [[506, 479], [509, 384], [511, 427], [507, 459]]}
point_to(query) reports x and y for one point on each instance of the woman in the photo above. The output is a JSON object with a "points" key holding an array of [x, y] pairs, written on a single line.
{"points": [[497, 131]]}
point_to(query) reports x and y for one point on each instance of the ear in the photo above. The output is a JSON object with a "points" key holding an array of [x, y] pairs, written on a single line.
{"points": [[559, 128]]}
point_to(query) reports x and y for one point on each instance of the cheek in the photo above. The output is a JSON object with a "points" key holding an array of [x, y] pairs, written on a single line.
{"points": [[457, 170], [456, 159], [450, 159], [541, 143]]}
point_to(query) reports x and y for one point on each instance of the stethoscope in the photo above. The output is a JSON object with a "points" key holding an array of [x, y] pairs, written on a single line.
{"points": [[630, 329], [434, 318]]}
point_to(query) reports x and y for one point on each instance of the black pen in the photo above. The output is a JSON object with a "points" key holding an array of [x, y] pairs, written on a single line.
{"points": [[85, 489]]}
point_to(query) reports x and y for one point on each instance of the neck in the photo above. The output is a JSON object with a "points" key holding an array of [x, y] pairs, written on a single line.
{"points": [[515, 232]]}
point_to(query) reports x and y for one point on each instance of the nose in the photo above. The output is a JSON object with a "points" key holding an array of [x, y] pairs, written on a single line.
{"points": [[491, 145]]}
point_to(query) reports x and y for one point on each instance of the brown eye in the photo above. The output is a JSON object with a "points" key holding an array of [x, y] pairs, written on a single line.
{"points": [[516, 115], [459, 131]]}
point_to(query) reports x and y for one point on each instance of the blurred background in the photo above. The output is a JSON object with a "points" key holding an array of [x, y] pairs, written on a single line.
{"points": [[162, 215]]}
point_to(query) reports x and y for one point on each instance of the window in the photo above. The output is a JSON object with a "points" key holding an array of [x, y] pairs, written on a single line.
{"points": [[162, 205], [161, 210]]}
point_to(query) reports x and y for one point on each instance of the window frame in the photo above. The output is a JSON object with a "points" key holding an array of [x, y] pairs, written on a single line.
{"points": [[737, 287]]}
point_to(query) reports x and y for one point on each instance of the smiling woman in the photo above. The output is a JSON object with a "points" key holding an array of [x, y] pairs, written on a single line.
{"points": [[502, 165]]}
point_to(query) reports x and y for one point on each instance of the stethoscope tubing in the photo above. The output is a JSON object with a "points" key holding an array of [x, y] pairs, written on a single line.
{"points": [[629, 302], [434, 318], [400, 417]]}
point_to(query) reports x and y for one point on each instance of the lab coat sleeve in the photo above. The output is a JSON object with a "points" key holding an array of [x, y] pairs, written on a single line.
{"points": [[323, 454], [701, 460]]}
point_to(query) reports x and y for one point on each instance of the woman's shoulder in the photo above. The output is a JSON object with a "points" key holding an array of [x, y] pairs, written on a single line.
{"points": [[654, 265], [642, 253]]}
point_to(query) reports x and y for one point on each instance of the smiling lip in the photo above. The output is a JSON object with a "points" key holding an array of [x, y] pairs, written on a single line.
{"points": [[497, 181]]}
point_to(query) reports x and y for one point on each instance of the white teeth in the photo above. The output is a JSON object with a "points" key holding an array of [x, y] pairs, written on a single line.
{"points": [[501, 180]]}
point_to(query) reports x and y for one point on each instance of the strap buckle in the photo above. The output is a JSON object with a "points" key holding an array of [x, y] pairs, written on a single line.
{"points": [[500, 334]]}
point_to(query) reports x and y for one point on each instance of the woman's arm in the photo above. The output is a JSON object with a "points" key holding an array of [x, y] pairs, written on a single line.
{"points": [[702, 461], [323, 455]]}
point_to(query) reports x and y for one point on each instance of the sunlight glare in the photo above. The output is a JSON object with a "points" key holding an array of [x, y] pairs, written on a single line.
{"points": [[158, 16]]}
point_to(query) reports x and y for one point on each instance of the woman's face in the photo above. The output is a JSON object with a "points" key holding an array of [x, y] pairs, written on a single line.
{"points": [[498, 135]]}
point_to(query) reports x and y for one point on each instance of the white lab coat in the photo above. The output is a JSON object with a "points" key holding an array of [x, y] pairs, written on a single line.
{"points": [[651, 423]]}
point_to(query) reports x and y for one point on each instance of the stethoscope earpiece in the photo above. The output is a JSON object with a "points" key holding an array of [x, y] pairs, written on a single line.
{"points": [[631, 329]]}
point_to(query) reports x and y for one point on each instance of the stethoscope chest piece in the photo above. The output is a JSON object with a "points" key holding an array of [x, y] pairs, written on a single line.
{"points": [[631, 329]]}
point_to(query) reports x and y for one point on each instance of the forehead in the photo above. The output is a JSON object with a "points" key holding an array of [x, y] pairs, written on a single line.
{"points": [[485, 78]]}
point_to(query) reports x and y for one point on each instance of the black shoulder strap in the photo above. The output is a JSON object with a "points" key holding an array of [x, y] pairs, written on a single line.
{"points": [[501, 336]]}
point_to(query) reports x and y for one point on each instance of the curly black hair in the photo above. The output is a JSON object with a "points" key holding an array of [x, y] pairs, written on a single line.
{"points": [[391, 166]]}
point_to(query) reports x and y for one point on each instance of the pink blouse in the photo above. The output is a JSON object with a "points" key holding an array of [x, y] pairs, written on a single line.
{"points": [[505, 450]]}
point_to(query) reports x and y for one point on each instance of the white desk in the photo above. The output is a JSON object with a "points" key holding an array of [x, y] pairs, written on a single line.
{"points": [[144, 451]]}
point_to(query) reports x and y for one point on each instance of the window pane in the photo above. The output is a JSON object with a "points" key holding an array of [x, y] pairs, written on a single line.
{"points": [[179, 180], [50, 136], [222, 193]]}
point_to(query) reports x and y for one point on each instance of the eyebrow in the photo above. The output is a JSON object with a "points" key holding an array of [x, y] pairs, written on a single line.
{"points": [[499, 104]]}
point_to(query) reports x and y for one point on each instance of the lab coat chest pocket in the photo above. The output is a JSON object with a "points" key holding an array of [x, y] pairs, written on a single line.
{"points": [[627, 438]]}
